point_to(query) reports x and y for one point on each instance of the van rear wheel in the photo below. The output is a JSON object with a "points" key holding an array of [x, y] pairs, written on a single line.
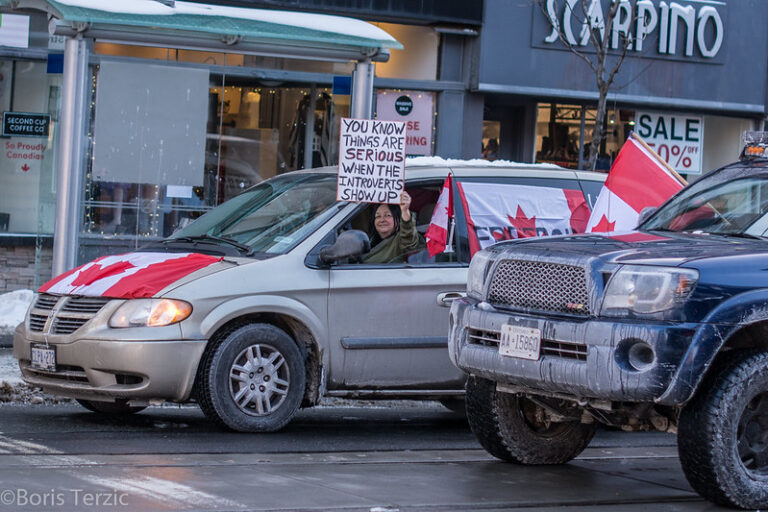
{"points": [[254, 380]]}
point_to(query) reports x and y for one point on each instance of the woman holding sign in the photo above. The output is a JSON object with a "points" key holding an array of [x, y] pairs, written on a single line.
{"points": [[394, 234]]}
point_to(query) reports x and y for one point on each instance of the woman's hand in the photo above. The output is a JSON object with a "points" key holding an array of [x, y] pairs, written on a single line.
{"points": [[405, 205]]}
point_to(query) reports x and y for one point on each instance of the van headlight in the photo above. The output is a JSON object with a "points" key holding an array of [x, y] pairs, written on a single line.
{"points": [[644, 289], [478, 268], [150, 313]]}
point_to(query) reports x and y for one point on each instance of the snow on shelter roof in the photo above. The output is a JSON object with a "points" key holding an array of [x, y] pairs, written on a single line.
{"points": [[261, 24]]}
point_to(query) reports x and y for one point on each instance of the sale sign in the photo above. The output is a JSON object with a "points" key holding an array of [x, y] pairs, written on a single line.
{"points": [[676, 138], [371, 161]]}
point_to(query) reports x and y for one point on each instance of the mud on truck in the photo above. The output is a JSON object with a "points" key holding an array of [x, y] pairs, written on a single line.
{"points": [[664, 328]]}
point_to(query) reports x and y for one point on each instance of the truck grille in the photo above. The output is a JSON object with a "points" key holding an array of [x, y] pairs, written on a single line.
{"points": [[541, 286], [577, 351], [71, 314]]}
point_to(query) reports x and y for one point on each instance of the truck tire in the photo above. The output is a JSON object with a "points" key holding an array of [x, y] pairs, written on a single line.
{"points": [[119, 408], [504, 424], [253, 381], [722, 432]]}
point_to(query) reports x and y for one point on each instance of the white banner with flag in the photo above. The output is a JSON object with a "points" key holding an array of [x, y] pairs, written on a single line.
{"points": [[496, 212], [638, 179]]}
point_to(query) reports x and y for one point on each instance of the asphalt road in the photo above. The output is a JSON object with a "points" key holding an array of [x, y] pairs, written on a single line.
{"points": [[336, 458]]}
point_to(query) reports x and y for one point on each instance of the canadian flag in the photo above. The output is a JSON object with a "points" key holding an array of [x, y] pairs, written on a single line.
{"points": [[437, 232], [496, 212], [638, 178], [128, 276]]}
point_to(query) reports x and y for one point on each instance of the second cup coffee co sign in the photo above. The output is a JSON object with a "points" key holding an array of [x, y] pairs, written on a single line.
{"points": [[25, 124]]}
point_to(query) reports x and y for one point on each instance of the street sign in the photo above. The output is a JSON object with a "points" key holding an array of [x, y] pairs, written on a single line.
{"points": [[25, 124], [676, 138]]}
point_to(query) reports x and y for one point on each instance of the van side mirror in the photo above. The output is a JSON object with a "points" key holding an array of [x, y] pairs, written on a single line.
{"points": [[352, 243], [645, 213]]}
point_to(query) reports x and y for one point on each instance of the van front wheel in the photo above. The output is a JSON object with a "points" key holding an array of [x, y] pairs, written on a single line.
{"points": [[254, 380]]}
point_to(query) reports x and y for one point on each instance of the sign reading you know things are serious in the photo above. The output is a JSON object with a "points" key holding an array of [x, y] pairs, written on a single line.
{"points": [[371, 161], [675, 138]]}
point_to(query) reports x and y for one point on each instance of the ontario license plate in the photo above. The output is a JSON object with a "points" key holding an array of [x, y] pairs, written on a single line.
{"points": [[43, 357], [520, 342]]}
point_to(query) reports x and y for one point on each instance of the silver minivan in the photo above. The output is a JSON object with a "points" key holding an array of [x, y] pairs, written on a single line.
{"points": [[283, 314]]}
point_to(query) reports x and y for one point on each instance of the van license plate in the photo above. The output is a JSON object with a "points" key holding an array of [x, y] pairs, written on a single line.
{"points": [[43, 358], [520, 342]]}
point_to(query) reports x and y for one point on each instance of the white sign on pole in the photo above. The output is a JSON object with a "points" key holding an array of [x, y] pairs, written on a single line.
{"points": [[371, 161], [415, 109], [676, 138], [14, 30]]}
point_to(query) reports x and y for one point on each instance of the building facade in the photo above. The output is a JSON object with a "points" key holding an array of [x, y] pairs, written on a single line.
{"points": [[169, 129]]}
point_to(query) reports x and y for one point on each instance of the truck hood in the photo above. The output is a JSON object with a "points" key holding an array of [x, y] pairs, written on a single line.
{"points": [[642, 248], [133, 275]]}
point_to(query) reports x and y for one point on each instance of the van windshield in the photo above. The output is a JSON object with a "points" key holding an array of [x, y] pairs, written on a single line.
{"points": [[271, 217]]}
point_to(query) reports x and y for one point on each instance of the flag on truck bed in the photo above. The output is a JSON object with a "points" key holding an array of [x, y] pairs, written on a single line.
{"points": [[639, 178]]}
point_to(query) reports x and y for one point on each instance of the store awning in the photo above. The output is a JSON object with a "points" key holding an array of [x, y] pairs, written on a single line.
{"points": [[217, 28]]}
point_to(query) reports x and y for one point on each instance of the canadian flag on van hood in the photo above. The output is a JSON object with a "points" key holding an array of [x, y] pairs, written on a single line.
{"points": [[638, 179], [128, 276]]}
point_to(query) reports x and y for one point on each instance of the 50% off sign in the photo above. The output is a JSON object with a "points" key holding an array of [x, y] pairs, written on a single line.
{"points": [[675, 138]]}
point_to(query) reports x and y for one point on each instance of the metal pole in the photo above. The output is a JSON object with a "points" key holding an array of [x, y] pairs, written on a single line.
{"points": [[581, 136], [309, 128], [361, 106], [70, 154]]}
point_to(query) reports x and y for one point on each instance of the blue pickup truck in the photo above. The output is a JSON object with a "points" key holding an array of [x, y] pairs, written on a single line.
{"points": [[664, 328]]}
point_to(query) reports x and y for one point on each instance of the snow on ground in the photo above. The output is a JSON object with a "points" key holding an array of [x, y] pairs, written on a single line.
{"points": [[13, 307]]}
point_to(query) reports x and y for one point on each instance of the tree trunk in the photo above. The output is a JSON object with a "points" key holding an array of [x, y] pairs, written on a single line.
{"points": [[598, 134]]}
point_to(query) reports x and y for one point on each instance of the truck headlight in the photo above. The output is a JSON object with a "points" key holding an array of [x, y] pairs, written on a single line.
{"points": [[150, 313], [478, 268], [642, 289]]}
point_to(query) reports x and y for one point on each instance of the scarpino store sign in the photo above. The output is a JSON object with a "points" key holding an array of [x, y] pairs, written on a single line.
{"points": [[415, 109], [685, 29], [25, 124], [676, 138]]}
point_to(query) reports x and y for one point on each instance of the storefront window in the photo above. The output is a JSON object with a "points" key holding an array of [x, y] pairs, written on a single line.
{"points": [[562, 131], [31, 95], [491, 137]]}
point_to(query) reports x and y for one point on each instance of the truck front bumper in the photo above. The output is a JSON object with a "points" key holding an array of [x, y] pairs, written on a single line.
{"points": [[582, 358]]}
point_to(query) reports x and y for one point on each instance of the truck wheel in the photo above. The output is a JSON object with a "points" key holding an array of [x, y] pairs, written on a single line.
{"points": [[723, 433], [513, 429], [254, 380], [120, 408]]}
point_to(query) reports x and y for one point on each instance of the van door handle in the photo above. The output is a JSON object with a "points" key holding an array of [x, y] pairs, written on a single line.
{"points": [[444, 299]]}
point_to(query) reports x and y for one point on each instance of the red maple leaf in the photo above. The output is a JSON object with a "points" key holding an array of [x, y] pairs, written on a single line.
{"points": [[525, 227], [603, 226], [25, 167], [96, 272]]}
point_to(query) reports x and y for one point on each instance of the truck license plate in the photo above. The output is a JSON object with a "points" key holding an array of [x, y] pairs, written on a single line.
{"points": [[43, 358], [520, 342]]}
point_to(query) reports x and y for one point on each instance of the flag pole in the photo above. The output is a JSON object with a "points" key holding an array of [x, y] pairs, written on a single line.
{"points": [[451, 220], [674, 173]]}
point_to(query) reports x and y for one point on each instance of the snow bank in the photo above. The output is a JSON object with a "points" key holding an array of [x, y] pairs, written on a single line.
{"points": [[13, 307], [476, 162]]}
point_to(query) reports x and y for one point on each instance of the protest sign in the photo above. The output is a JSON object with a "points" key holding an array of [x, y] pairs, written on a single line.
{"points": [[371, 161]]}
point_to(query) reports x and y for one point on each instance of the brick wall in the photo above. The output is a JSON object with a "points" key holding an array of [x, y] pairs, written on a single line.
{"points": [[17, 267]]}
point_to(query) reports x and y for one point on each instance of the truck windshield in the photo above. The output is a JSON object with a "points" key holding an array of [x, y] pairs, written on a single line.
{"points": [[733, 207], [271, 217]]}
